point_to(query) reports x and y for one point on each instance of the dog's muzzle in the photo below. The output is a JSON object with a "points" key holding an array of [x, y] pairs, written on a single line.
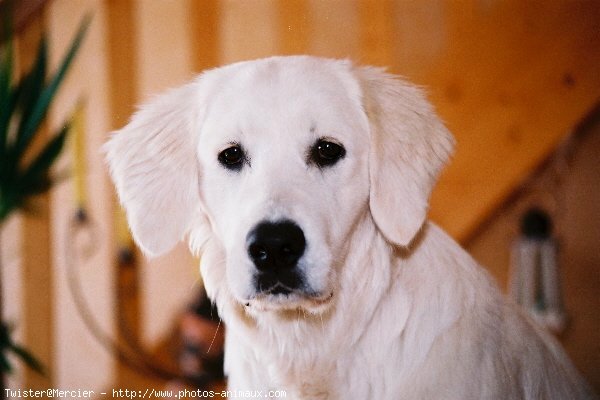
{"points": [[275, 249]]}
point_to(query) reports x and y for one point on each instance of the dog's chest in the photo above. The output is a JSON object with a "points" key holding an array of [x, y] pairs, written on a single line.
{"points": [[304, 384], [303, 378], [314, 391]]}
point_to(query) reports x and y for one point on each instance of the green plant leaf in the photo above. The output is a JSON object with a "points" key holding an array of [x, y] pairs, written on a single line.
{"points": [[7, 195], [5, 339], [7, 344], [31, 86], [28, 359], [35, 179], [40, 108], [6, 66], [9, 162], [4, 363], [6, 205], [24, 97]]}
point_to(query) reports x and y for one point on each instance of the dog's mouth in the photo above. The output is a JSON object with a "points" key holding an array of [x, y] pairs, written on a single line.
{"points": [[279, 289], [281, 298]]}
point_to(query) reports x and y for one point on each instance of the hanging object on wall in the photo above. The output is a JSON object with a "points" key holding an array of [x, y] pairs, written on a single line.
{"points": [[82, 230], [125, 246], [535, 275], [78, 147]]}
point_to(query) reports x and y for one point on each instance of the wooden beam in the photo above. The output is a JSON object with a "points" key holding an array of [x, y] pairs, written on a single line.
{"points": [[377, 32], [294, 26], [204, 33], [514, 81], [38, 312], [122, 39]]}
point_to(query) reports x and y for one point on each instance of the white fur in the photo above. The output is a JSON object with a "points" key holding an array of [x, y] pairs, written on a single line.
{"points": [[394, 308]]}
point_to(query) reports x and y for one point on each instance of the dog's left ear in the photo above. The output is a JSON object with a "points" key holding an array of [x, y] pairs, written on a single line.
{"points": [[409, 146]]}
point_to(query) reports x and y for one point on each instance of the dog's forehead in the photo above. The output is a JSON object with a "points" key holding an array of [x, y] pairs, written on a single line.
{"points": [[294, 75], [284, 90]]}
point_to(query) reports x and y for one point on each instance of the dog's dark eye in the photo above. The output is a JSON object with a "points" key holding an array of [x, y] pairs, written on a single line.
{"points": [[325, 153], [232, 157]]}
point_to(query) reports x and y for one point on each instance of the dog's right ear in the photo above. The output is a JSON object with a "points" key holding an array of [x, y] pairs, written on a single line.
{"points": [[153, 165]]}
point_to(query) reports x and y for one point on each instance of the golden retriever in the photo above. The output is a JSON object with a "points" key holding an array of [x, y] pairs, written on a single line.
{"points": [[304, 184]]}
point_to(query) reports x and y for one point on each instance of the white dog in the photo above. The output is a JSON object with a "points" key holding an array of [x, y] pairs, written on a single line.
{"points": [[304, 184]]}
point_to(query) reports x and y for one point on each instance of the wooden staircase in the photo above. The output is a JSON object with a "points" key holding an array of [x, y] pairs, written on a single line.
{"points": [[511, 80]]}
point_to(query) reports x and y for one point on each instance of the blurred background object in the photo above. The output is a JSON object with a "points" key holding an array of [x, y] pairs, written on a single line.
{"points": [[535, 273], [513, 80]]}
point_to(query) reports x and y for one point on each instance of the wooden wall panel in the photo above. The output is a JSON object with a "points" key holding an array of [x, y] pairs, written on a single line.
{"points": [[377, 33], [79, 361], [294, 27], [248, 30], [334, 27]]}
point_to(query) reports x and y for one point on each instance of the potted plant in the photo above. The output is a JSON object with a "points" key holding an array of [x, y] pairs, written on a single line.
{"points": [[24, 104]]}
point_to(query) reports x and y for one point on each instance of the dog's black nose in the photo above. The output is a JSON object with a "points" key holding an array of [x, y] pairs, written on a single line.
{"points": [[276, 245]]}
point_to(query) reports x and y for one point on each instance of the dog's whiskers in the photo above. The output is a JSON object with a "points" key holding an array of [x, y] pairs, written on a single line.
{"points": [[221, 261], [195, 283], [322, 325], [214, 337]]}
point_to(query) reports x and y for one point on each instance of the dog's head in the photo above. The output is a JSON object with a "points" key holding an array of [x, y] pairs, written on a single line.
{"points": [[271, 165]]}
